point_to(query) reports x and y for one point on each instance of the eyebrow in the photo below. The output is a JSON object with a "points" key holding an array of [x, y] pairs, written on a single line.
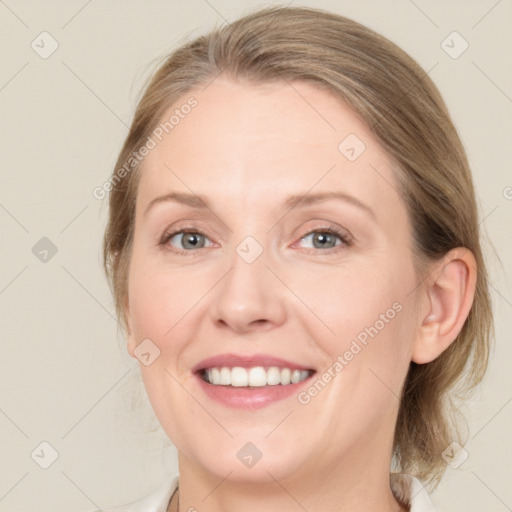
{"points": [[293, 201]]}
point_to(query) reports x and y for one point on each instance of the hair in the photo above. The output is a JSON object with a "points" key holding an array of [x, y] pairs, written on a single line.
{"points": [[403, 108]]}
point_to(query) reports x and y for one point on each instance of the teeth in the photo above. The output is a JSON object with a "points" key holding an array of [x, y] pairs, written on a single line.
{"points": [[257, 376], [225, 376], [286, 376]]}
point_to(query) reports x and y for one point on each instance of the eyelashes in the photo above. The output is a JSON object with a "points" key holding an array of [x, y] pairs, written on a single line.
{"points": [[330, 231], [333, 232], [186, 231]]}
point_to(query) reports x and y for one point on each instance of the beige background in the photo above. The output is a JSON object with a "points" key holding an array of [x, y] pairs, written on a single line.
{"points": [[65, 379]]}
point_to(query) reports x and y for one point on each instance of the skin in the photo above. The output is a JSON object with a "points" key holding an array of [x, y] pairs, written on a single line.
{"points": [[246, 148]]}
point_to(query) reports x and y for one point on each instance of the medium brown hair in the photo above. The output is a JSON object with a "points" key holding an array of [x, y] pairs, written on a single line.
{"points": [[401, 105]]}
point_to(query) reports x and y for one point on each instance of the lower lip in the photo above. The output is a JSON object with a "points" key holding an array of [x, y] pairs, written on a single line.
{"points": [[250, 398]]}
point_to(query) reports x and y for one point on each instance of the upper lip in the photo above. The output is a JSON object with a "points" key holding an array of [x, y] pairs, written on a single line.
{"points": [[247, 361]]}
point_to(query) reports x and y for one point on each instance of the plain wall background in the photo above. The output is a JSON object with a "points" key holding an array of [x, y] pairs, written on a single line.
{"points": [[65, 378]]}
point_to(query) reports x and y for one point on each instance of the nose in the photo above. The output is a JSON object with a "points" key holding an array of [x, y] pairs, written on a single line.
{"points": [[250, 296]]}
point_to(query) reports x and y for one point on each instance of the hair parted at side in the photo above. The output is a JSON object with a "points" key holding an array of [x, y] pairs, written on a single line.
{"points": [[403, 108]]}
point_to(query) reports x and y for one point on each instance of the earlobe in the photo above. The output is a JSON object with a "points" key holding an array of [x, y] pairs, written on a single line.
{"points": [[449, 298]]}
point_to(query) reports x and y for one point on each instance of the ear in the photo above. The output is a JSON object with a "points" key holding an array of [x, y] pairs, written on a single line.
{"points": [[449, 297], [130, 337]]}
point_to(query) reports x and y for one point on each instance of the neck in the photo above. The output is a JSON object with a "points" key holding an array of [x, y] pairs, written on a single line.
{"points": [[357, 484], [394, 506]]}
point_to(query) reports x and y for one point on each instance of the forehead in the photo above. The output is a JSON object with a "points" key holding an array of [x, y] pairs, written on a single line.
{"points": [[258, 143]]}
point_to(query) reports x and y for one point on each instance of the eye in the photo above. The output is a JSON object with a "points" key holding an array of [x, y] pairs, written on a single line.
{"points": [[189, 239], [326, 238]]}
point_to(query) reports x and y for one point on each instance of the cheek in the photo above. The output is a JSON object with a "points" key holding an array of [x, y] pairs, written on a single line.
{"points": [[159, 299], [367, 354], [365, 316], [345, 299]]}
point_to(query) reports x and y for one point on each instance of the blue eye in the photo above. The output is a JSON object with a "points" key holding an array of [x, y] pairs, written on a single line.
{"points": [[190, 240], [324, 238]]}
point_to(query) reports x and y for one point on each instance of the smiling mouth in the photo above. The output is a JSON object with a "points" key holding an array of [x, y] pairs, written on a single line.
{"points": [[254, 377]]}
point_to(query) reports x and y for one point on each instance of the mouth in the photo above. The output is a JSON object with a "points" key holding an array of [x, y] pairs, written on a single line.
{"points": [[251, 388], [253, 377], [250, 381]]}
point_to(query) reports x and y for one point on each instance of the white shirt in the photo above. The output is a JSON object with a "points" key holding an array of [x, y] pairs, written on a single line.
{"points": [[402, 485]]}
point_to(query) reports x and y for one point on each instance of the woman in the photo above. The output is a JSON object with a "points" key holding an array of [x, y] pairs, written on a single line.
{"points": [[294, 250]]}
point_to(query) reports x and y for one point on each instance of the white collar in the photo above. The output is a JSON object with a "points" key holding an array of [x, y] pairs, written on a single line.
{"points": [[410, 490]]}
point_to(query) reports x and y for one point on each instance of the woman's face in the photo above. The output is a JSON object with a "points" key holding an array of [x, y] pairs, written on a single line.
{"points": [[259, 275]]}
